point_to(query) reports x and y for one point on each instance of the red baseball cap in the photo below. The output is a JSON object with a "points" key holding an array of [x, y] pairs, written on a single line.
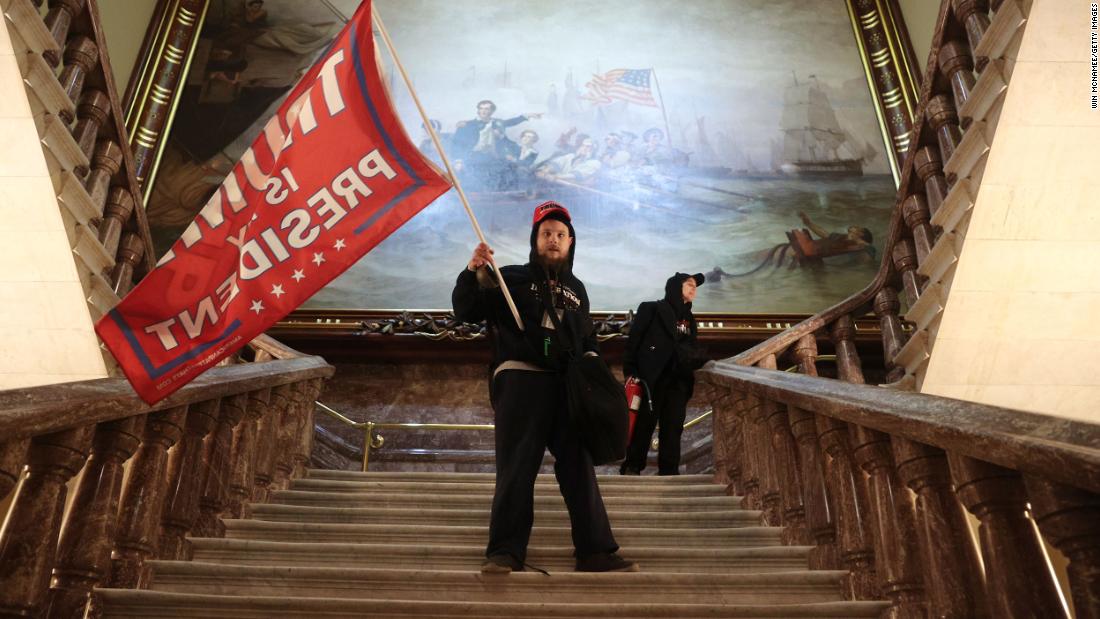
{"points": [[548, 208]]}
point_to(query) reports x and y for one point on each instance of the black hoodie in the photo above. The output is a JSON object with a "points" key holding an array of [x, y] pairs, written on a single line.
{"points": [[657, 342], [536, 345]]}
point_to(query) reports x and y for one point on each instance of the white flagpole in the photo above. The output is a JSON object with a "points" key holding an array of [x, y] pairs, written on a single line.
{"points": [[446, 162], [657, 85]]}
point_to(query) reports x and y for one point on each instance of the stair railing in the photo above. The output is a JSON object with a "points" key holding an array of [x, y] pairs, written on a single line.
{"points": [[372, 440], [62, 55], [224, 441], [880, 481], [962, 88]]}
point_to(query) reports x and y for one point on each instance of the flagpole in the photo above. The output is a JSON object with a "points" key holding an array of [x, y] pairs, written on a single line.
{"points": [[657, 85], [446, 162]]}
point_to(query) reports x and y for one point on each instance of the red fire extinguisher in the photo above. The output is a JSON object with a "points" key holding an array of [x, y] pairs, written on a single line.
{"points": [[634, 389]]}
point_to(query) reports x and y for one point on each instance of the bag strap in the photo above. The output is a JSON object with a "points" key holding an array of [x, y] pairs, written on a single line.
{"points": [[549, 305]]}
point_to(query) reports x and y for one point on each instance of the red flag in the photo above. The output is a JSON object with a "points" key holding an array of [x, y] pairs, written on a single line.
{"points": [[331, 175]]}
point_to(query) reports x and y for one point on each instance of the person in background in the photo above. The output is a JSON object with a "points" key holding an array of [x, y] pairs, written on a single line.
{"points": [[663, 353]]}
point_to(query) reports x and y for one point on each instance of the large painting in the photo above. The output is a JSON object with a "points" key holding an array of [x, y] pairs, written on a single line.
{"points": [[732, 137]]}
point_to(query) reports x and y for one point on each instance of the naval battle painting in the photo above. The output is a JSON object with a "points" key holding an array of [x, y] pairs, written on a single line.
{"points": [[737, 138]]}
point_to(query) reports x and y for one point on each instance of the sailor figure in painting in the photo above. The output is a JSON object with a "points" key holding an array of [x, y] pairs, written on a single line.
{"points": [[480, 146]]}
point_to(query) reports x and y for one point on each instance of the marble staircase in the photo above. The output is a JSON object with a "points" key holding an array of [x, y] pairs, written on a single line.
{"points": [[348, 544]]}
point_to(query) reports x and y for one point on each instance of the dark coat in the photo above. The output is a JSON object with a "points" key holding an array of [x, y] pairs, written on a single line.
{"points": [[472, 303], [652, 344]]}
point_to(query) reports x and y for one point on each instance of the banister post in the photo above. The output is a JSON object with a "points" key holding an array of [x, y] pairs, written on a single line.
{"points": [[892, 519], [886, 307], [266, 444], [728, 443], [13, 457], [244, 454], [1018, 581], [84, 549], [815, 489], [185, 481], [952, 569], [768, 458], [1070, 518], [143, 499], [746, 407], [215, 491], [29, 538]]}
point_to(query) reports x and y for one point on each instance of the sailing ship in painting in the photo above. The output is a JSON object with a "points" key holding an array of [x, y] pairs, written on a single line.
{"points": [[813, 142]]}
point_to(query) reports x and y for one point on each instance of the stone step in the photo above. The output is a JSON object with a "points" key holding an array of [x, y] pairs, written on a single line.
{"points": [[602, 480], [545, 501], [731, 537], [472, 586], [470, 556], [620, 517], [549, 487], [138, 603]]}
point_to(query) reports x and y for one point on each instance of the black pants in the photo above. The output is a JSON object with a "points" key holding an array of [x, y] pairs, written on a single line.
{"points": [[530, 415], [670, 397]]}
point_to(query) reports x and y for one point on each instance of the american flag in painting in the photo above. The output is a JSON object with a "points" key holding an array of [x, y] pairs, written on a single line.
{"points": [[630, 85]]}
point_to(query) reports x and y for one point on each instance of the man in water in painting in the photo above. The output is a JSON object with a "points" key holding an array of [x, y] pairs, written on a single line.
{"points": [[856, 238]]}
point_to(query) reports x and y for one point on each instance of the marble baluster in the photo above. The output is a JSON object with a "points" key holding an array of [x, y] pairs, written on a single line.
{"points": [[130, 253], [91, 116], [81, 56], [854, 526], [120, 205], [974, 14], [953, 574], [142, 500], [28, 540], [106, 161], [243, 454], [811, 460], [945, 122], [266, 447], [886, 308], [181, 507], [58, 20], [1070, 518], [929, 167], [284, 457], [1018, 583], [84, 549], [957, 64], [304, 445], [217, 467], [753, 496], [917, 217], [893, 523], [13, 457], [852, 512], [769, 474], [789, 474], [905, 261]]}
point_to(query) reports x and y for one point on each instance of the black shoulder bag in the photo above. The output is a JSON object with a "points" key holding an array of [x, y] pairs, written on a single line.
{"points": [[595, 399]]}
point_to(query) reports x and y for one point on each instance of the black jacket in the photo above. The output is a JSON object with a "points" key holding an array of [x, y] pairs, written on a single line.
{"points": [[472, 303], [654, 345]]}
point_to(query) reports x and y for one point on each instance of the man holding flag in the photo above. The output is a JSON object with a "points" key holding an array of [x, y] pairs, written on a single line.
{"points": [[331, 175]]}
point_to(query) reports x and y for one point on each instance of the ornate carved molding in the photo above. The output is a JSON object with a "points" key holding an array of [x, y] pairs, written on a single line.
{"points": [[156, 90], [885, 50]]}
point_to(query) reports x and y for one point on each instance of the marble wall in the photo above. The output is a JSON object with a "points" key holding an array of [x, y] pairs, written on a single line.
{"points": [[46, 331], [1020, 325]]}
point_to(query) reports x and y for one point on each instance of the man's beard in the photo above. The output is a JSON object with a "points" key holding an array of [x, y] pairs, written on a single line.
{"points": [[552, 263]]}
